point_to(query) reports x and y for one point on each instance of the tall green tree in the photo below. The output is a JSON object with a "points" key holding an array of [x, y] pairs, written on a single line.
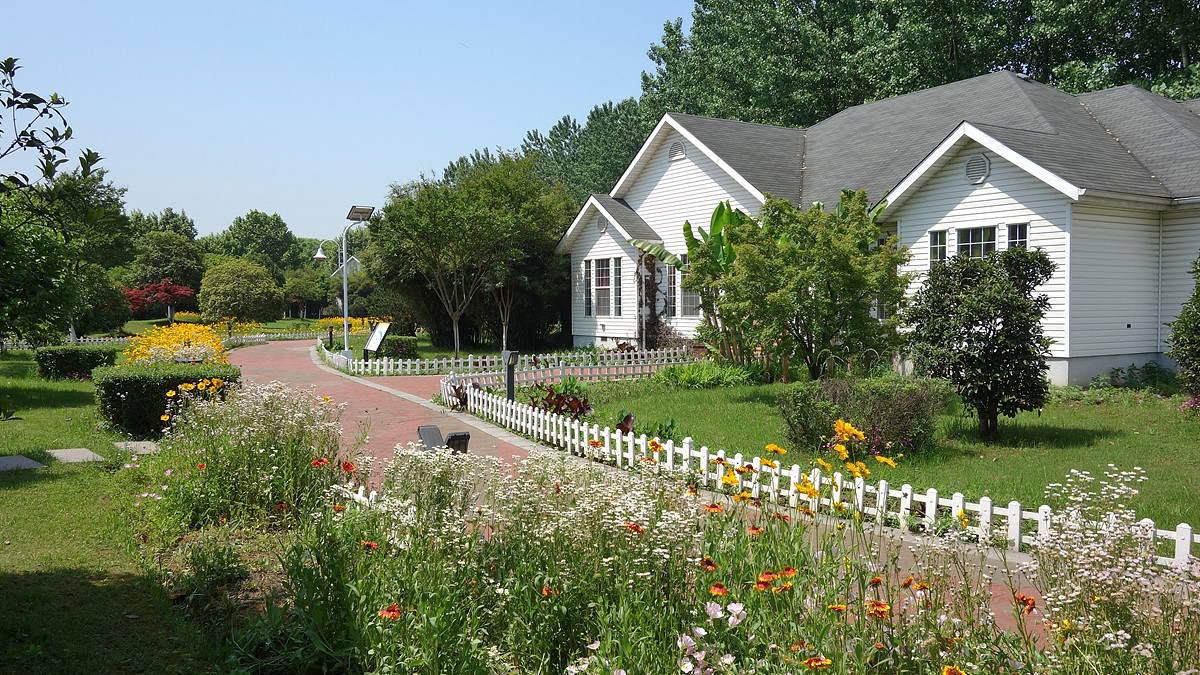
{"points": [[167, 255], [239, 289], [978, 323], [167, 221], [262, 235]]}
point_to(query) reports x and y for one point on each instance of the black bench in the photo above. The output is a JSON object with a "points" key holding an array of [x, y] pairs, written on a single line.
{"points": [[431, 437]]}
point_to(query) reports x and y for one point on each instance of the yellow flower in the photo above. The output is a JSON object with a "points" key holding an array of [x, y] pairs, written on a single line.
{"points": [[854, 470], [963, 519], [742, 496], [165, 418], [843, 454], [866, 473], [326, 399], [730, 478], [187, 386], [825, 466], [806, 488], [170, 393], [775, 449], [217, 382], [768, 463], [846, 432], [886, 460]]}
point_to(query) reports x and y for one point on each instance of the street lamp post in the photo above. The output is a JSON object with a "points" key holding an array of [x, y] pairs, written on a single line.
{"points": [[357, 216]]}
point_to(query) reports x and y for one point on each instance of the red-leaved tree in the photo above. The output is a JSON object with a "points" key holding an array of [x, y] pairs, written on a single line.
{"points": [[164, 292]]}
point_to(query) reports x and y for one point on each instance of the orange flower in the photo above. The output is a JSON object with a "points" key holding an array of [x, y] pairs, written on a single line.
{"points": [[281, 506], [392, 612], [1025, 603], [817, 663], [875, 581], [655, 446], [547, 591], [320, 462], [921, 586], [755, 530], [370, 544], [768, 576], [338, 507], [745, 468], [348, 467], [879, 609], [720, 460], [650, 460], [635, 528], [836, 608], [595, 443], [825, 466], [783, 588], [775, 449], [201, 466], [952, 670], [708, 565], [789, 571], [908, 581], [714, 507], [879, 645], [743, 496], [781, 516], [165, 418], [718, 589], [762, 586], [886, 460], [806, 511]]}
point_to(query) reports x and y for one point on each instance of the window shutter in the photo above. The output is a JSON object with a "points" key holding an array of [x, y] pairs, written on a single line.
{"points": [[587, 287]]}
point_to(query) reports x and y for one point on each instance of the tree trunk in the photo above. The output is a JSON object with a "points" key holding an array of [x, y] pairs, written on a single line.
{"points": [[989, 425], [783, 364], [454, 319]]}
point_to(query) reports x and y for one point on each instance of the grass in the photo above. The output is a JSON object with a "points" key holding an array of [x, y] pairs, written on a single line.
{"points": [[1125, 429], [75, 599]]}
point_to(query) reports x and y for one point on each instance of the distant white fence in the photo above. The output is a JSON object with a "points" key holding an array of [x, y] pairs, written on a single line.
{"points": [[24, 344], [486, 369], [778, 484]]}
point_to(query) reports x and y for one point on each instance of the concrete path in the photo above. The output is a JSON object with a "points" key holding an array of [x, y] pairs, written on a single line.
{"points": [[391, 408]]}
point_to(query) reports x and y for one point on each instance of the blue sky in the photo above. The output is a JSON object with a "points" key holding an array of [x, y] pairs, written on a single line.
{"points": [[306, 108]]}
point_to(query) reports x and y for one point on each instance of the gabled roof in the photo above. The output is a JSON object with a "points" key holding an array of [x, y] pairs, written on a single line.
{"points": [[769, 157], [1162, 134], [876, 145], [628, 223]]}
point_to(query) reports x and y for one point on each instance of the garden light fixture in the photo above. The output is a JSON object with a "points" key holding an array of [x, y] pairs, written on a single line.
{"points": [[357, 216]]}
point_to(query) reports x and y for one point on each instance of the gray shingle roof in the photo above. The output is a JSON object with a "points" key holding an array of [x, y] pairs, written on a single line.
{"points": [[1153, 148], [767, 156], [627, 218], [1162, 134]]}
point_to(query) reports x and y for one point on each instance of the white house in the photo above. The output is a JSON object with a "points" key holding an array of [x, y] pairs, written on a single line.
{"points": [[1108, 183]]}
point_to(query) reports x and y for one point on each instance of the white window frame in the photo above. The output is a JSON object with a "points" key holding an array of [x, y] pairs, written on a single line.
{"points": [[602, 291], [1020, 229], [672, 295], [968, 244], [689, 301], [616, 286], [942, 237]]}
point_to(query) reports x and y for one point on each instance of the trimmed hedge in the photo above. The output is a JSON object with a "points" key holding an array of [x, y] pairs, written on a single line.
{"points": [[72, 360], [893, 409], [398, 347], [133, 399]]}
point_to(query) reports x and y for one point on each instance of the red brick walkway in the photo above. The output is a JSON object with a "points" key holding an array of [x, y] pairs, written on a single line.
{"points": [[392, 417]]}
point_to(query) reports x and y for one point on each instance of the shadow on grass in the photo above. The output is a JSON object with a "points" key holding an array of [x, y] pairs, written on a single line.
{"points": [[15, 479], [75, 620], [1028, 434], [38, 395], [758, 395]]}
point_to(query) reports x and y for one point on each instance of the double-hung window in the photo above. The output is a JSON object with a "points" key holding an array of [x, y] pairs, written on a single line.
{"points": [[616, 270], [603, 287], [937, 246], [587, 287], [690, 300], [1018, 235], [671, 294], [977, 242]]}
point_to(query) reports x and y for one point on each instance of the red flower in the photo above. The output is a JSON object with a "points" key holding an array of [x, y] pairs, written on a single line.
{"points": [[789, 571], [714, 507], [201, 466], [547, 591], [708, 565], [635, 528], [1025, 603], [348, 467], [595, 443], [338, 507], [875, 581], [755, 531], [370, 544], [718, 589], [768, 576], [879, 609], [392, 612], [783, 588], [762, 586], [781, 516], [320, 462], [908, 581], [281, 506]]}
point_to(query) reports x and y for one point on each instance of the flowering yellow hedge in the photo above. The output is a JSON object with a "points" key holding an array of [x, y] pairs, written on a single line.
{"points": [[190, 342], [356, 323]]}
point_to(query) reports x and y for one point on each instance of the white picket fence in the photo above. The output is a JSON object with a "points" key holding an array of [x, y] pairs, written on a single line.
{"points": [[24, 344], [901, 507], [607, 361]]}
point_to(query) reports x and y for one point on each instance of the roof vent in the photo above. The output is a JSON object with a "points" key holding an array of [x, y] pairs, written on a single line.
{"points": [[977, 168], [677, 151]]}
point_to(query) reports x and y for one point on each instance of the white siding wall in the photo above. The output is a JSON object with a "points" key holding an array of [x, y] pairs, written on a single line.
{"points": [[1181, 245], [1009, 195], [1114, 281], [666, 193], [591, 244]]}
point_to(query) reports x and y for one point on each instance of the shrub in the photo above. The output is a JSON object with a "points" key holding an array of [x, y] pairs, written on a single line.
{"points": [[134, 399], [708, 375], [399, 347], [1185, 337], [174, 343], [891, 410], [72, 360]]}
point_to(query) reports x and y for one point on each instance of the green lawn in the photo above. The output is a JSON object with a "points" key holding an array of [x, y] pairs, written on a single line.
{"points": [[1127, 430], [74, 598]]}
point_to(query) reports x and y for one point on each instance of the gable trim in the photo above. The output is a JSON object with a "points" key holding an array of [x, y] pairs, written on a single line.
{"points": [[942, 154], [592, 203], [624, 183]]}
